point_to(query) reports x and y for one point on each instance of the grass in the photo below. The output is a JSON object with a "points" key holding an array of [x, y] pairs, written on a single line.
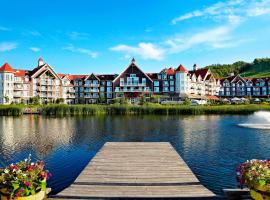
{"points": [[152, 109], [149, 109], [11, 110]]}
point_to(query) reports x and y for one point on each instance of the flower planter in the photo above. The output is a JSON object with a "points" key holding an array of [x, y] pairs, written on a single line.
{"points": [[38, 196], [260, 193]]}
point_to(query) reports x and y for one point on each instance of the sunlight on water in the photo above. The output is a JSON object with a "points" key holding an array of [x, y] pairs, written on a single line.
{"points": [[212, 146], [259, 120]]}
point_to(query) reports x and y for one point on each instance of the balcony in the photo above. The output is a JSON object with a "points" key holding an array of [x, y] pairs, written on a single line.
{"points": [[134, 90], [18, 88], [133, 84], [15, 94]]}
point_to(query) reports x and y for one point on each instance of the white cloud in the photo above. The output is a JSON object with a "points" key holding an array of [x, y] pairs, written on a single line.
{"points": [[34, 49], [88, 52], [3, 28], [145, 50], [34, 33], [7, 46], [78, 36], [240, 9]]}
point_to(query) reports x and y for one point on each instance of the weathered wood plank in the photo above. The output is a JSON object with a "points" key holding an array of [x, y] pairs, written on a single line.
{"points": [[145, 170]]}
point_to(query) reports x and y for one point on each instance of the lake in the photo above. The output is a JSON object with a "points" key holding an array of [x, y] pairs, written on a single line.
{"points": [[212, 146]]}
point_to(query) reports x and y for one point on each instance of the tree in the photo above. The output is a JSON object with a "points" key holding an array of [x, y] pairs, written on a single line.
{"points": [[35, 100], [101, 99], [59, 100], [6, 99], [142, 100], [123, 101]]}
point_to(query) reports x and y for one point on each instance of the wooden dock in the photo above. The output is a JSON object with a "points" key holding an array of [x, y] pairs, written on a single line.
{"points": [[136, 170]]}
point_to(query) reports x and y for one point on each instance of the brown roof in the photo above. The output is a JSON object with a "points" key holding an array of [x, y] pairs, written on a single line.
{"points": [[110, 77], [153, 75], [201, 72]]}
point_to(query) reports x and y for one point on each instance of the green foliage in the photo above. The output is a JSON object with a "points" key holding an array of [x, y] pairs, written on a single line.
{"points": [[259, 68], [142, 100], [187, 102], [150, 109], [35, 100], [155, 98], [11, 110], [23, 178], [123, 101], [101, 99], [60, 100]]}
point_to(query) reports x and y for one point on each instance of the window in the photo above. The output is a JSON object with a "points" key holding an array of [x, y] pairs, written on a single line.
{"points": [[165, 83], [109, 89], [109, 95], [159, 76], [156, 89], [171, 89], [156, 83], [133, 75], [165, 89], [109, 83], [144, 81], [171, 82], [122, 81], [164, 76]]}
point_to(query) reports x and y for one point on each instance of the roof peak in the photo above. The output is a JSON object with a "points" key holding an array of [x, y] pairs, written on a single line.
{"points": [[7, 68]]}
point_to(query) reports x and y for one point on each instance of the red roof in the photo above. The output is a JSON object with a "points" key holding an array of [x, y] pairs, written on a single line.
{"points": [[152, 75], [6, 68], [181, 68], [20, 73], [170, 71], [212, 97]]}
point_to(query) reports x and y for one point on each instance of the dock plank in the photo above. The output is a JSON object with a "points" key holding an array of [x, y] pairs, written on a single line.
{"points": [[136, 170]]}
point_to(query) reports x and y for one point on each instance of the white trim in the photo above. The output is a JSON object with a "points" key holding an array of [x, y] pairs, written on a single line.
{"points": [[91, 75], [127, 68]]}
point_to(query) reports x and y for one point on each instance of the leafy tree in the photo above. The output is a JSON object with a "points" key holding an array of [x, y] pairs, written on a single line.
{"points": [[35, 100], [101, 99], [142, 100], [6, 99], [60, 100]]}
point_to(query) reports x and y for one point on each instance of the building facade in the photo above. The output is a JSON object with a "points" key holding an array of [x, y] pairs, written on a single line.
{"points": [[237, 86], [21, 86]]}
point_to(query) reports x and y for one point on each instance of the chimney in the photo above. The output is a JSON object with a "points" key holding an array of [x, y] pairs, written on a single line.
{"points": [[231, 74], [195, 68], [40, 62]]}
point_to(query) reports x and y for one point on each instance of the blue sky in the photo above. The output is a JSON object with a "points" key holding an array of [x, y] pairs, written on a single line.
{"points": [[101, 36]]}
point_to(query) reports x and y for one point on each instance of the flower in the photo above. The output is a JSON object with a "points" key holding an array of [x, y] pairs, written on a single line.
{"points": [[254, 173], [20, 178]]}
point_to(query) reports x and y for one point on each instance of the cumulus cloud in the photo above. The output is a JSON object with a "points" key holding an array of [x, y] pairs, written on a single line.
{"points": [[85, 51], [7, 46], [145, 50]]}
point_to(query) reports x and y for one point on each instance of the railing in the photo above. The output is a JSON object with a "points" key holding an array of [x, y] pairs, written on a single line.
{"points": [[132, 84], [135, 90]]}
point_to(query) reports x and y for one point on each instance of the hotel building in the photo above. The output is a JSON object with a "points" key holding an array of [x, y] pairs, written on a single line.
{"points": [[20, 86], [237, 86]]}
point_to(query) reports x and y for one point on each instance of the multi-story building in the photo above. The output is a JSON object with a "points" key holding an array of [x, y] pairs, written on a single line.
{"points": [[43, 82], [238, 86]]}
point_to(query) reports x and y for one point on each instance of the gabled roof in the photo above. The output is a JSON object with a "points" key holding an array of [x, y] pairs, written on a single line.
{"points": [[7, 68], [153, 75], [202, 72], [168, 71], [181, 68], [109, 77], [87, 77], [133, 64]]}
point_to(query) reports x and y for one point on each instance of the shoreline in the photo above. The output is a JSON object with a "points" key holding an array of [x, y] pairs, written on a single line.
{"points": [[120, 109]]}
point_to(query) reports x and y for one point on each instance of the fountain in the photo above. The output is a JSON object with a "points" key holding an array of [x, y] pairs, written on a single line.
{"points": [[259, 120]]}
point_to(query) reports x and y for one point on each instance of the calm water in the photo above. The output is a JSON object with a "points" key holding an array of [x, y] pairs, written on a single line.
{"points": [[212, 146]]}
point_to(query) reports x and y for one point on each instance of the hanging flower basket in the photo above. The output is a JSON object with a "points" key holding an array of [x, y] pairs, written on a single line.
{"points": [[24, 180], [255, 174]]}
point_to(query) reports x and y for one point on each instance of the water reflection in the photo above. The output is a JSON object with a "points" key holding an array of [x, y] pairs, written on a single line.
{"points": [[211, 145]]}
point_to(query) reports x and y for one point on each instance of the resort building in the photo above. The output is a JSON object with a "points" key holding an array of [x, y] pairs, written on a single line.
{"points": [[21, 86], [238, 86]]}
